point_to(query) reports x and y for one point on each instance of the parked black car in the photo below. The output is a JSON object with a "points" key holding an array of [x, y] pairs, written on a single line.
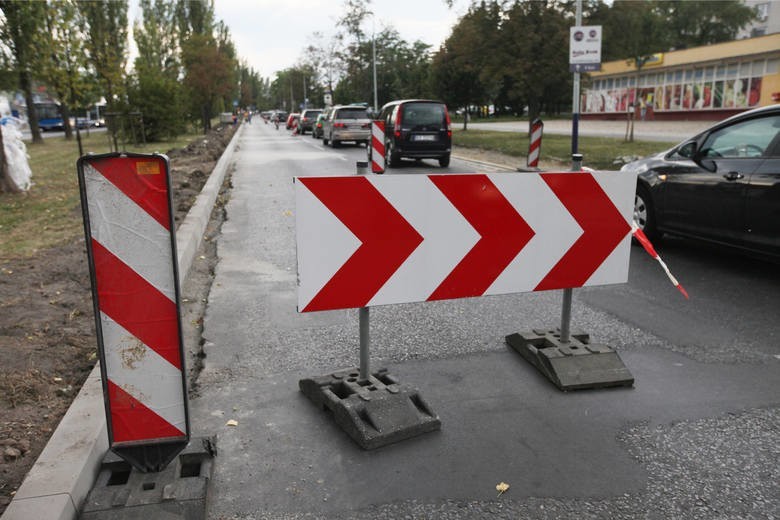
{"points": [[723, 185], [418, 129]]}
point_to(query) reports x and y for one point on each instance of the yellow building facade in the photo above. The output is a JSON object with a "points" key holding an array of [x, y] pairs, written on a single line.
{"points": [[710, 82]]}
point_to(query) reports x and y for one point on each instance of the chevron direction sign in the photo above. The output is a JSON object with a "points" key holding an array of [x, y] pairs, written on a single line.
{"points": [[365, 241]]}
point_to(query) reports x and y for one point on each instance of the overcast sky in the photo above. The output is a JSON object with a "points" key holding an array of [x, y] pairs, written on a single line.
{"points": [[270, 35]]}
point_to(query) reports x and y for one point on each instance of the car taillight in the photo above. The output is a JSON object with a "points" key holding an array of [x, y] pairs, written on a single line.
{"points": [[397, 128], [449, 122], [339, 125]]}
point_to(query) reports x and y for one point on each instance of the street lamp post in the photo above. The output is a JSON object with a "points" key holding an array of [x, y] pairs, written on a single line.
{"points": [[373, 56]]}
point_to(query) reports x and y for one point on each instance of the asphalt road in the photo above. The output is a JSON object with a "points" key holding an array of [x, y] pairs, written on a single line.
{"points": [[695, 438]]}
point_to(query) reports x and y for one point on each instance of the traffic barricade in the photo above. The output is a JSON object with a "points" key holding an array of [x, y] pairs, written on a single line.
{"points": [[131, 249], [366, 241]]}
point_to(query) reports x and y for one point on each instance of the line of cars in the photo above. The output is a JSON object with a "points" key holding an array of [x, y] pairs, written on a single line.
{"points": [[414, 129]]}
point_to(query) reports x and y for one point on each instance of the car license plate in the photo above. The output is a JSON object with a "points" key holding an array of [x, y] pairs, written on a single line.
{"points": [[424, 138]]}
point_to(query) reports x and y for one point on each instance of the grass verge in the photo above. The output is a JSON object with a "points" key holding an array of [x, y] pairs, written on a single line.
{"points": [[603, 153], [49, 214]]}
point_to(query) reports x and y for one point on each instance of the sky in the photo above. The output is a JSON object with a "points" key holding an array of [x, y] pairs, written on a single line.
{"points": [[271, 35]]}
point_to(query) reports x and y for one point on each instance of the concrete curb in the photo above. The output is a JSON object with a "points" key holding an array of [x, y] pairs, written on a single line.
{"points": [[63, 474]]}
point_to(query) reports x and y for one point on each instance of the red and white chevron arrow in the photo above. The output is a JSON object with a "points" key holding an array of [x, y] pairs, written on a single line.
{"points": [[365, 241], [132, 254]]}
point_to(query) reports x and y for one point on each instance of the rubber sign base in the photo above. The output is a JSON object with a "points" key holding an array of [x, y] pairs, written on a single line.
{"points": [[374, 412], [575, 365], [122, 492]]}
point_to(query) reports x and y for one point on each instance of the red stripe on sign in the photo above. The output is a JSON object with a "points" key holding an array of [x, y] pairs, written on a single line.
{"points": [[149, 190], [387, 240], [602, 224], [503, 234], [136, 305], [131, 420], [377, 145]]}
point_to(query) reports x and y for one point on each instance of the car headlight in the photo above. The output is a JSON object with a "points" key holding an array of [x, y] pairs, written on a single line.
{"points": [[634, 167]]}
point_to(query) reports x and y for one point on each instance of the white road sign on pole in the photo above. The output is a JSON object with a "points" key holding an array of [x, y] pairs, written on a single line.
{"points": [[585, 48]]}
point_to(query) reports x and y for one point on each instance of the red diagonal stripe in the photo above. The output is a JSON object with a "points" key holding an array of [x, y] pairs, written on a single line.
{"points": [[136, 305], [387, 239], [131, 420], [602, 224], [503, 233], [149, 191]]}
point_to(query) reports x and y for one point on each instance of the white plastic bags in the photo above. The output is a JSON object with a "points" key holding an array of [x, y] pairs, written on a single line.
{"points": [[19, 173]]}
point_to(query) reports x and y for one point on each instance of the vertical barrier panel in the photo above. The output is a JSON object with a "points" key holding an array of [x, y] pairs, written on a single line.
{"points": [[378, 146], [131, 247], [535, 143]]}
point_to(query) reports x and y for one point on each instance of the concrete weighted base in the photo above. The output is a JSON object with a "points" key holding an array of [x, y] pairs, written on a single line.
{"points": [[575, 365], [178, 492], [375, 412]]}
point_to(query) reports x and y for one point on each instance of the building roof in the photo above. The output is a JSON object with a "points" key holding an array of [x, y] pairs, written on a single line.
{"points": [[769, 44]]}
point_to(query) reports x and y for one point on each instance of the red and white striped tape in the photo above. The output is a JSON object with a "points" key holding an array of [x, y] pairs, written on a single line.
{"points": [[535, 145], [133, 257], [377, 146], [640, 236]]}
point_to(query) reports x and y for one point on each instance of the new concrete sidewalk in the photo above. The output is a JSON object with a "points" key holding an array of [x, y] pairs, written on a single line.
{"points": [[65, 471]]}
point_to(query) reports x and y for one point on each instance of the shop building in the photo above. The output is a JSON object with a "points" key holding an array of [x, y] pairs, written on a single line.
{"points": [[708, 83]]}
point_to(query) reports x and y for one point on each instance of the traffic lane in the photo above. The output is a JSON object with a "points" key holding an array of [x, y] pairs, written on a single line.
{"points": [[358, 153], [733, 308], [501, 420]]}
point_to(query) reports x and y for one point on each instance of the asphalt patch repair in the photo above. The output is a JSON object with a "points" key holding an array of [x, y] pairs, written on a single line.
{"points": [[47, 327]]}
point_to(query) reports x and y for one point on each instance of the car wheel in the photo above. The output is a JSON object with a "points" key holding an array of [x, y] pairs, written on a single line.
{"points": [[334, 143], [392, 159], [644, 214], [444, 161], [324, 140]]}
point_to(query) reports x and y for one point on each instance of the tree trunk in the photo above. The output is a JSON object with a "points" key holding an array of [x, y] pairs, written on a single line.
{"points": [[32, 115], [65, 113]]}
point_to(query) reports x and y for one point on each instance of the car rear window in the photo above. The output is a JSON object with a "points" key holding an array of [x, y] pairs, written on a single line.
{"points": [[352, 113], [415, 114]]}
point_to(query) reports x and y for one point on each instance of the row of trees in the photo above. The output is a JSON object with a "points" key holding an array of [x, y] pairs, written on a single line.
{"points": [[512, 54], [186, 69]]}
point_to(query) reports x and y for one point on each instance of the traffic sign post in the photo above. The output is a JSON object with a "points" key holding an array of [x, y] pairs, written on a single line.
{"points": [[131, 248], [366, 241], [570, 360]]}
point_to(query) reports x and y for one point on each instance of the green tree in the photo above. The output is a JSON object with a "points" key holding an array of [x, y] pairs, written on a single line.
{"points": [[154, 90], [209, 76], [463, 68], [694, 23], [534, 55], [106, 45], [19, 32], [63, 60]]}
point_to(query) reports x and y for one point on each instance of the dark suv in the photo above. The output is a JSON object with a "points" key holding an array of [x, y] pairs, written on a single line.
{"points": [[418, 129], [308, 117]]}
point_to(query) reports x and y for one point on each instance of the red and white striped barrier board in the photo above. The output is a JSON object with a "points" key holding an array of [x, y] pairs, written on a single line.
{"points": [[131, 249], [535, 143], [365, 241], [377, 146]]}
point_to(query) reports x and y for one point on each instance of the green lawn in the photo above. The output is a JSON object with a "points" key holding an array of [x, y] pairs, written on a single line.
{"points": [[602, 153], [50, 212]]}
